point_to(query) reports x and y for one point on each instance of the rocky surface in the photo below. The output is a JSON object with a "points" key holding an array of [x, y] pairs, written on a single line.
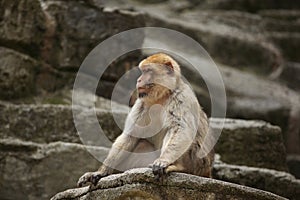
{"points": [[293, 162], [20, 67], [38, 171], [140, 184], [277, 182], [251, 143], [44, 42], [39, 137], [51, 123], [59, 34]]}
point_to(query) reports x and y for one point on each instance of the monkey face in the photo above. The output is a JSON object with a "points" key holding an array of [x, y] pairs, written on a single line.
{"points": [[154, 78]]}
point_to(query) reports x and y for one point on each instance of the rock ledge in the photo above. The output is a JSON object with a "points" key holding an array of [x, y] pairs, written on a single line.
{"points": [[140, 184]]}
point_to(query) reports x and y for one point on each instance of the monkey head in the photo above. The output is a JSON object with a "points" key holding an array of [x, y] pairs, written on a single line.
{"points": [[160, 75]]}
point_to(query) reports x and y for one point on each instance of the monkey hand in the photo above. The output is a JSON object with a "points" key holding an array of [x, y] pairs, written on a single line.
{"points": [[159, 168], [90, 177]]}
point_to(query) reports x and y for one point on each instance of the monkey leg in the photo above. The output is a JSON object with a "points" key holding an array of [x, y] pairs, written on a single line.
{"points": [[177, 167], [143, 155]]}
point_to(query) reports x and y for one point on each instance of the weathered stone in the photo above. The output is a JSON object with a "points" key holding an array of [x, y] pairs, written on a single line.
{"points": [[50, 79], [248, 86], [291, 75], [76, 29], [274, 25], [251, 143], [293, 162], [266, 109], [281, 14], [37, 171], [280, 183], [17, 74], [237, 45], [287, 43], [140, 184], [22, 25], [249, 5], [50, 123]]}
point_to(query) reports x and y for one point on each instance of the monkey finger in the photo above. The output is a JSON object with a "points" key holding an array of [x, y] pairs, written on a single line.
{"points": [[95, 179], [84, 179]]}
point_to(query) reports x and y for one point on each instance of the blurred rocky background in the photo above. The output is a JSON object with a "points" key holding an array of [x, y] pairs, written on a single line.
{"points": [[254, 43]]}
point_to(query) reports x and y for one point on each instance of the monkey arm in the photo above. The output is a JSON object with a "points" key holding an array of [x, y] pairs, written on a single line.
{"points": [[176, 143]]}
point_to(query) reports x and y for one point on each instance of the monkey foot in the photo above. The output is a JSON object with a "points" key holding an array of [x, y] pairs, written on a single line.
{"points": [[159, 169], [90, 177]]}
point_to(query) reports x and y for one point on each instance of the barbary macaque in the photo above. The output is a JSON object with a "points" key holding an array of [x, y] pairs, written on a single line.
{"points": [[166, 124]]}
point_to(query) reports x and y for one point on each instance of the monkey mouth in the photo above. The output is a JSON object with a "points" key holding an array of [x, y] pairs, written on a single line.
{"points": [[142, 94], [143, 91]]}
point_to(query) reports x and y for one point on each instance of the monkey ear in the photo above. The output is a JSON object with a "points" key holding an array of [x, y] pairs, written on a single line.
{"points": [[169, 66]]}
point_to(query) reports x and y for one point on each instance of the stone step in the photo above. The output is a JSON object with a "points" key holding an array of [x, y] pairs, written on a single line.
{"points": [[277, 182], [62, 33], [287, 43], [51, 123], [39, 170], [237, 44], [251, 143]]}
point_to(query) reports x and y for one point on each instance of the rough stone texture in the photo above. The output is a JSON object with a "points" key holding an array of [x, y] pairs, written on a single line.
{"points": [[282, 14], [75, 28], [37, 171], [283, 110], [249, 5], [251, 143], [49, 123], [267, 109], [281, 183], [287, 42], [61, 34], [293, 162], [237, 44], [22, 25], [140, 184], [291, 75], [17, 74]]}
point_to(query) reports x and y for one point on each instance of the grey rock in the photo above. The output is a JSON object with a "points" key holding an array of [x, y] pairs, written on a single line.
{"points": [[37, 171], [140, 184], [17, 74], [50, 123], [249, 5], [237, 44], [267, 109], [22, 25], [291, 75], [283, 109], [293, 162], [281, 14], [251, 143], [74, 28], [287, 43], [277, 182]]}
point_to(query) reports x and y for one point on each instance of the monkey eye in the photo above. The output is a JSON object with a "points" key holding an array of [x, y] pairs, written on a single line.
{"points": [[147, 70]]}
